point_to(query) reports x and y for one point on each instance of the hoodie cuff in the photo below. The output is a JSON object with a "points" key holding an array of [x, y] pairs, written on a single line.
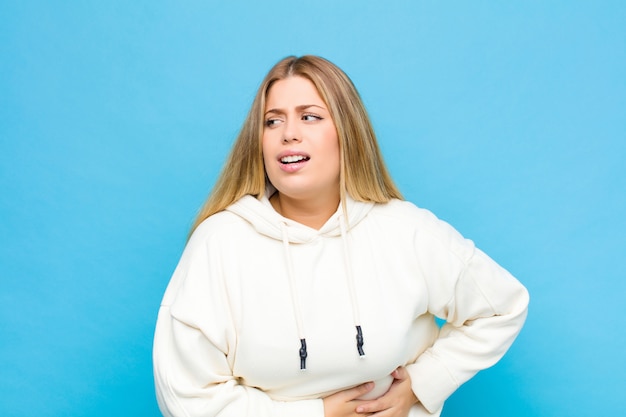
{"points": [[431, 381]]}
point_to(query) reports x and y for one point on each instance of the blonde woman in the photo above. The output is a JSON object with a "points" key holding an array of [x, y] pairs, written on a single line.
{"points": [[309, 287]]}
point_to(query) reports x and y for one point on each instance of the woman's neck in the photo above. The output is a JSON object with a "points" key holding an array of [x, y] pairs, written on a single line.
{"points": [[313, 213]]}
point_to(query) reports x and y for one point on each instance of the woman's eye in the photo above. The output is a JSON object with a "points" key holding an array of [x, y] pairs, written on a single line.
{"points": [[310, 117], [271, 122]]}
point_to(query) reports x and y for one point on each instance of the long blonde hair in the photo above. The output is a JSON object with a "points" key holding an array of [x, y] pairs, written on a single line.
{"points": [[363, 174]]}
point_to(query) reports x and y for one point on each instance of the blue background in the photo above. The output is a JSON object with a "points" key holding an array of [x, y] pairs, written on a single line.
{"points": [[507, 119]]}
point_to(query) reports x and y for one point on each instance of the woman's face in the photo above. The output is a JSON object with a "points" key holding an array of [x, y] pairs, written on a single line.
{"points": [[300, 144]]}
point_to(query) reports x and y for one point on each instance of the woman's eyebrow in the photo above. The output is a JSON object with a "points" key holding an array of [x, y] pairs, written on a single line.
{"points": [[299, 108]]}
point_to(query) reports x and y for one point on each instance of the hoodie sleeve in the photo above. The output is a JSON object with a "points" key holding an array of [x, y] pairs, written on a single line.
{"points": [[194, 346], [483, 305]]}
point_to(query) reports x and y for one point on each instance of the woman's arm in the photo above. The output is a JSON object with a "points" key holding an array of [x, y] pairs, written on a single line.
{"points": [[193, 378], [483, 305], [196, 337]]}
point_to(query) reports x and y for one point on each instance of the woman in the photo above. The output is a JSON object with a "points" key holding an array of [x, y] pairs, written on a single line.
{"points": [[309, 288]]}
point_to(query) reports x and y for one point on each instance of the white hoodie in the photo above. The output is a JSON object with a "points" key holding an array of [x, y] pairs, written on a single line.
{"points": [[251, 284]]}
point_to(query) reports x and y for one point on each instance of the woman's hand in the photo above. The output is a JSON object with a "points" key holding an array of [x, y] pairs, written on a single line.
{"points": [[344, 403], [397, 402]]}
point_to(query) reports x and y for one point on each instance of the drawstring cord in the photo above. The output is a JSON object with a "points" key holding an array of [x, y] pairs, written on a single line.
{"points": [[351, 287], [295, 299]]}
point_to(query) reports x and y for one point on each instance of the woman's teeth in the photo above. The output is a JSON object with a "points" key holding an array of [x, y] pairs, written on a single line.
{"points": [[293, 158]]}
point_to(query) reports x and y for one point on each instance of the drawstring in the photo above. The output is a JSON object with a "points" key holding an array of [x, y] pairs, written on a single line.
{"points": [[351, 287], [294, 297]]}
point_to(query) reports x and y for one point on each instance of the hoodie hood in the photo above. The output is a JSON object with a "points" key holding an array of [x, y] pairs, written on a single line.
{"points": [[268, 222]]}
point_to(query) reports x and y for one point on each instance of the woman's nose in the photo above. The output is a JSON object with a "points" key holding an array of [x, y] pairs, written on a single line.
{"points": [[291, 133]]}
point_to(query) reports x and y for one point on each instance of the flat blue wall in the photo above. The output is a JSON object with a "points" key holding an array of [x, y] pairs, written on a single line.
{"points": [[507, 119]]}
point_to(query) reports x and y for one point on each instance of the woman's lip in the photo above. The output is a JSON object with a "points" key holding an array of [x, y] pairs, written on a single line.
{"points": [[292, 166]]}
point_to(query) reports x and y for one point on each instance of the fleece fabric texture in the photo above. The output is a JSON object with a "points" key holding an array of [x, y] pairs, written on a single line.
{"points": [[227, 338]]}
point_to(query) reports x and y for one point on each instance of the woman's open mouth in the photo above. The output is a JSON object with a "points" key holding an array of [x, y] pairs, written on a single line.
{"points": [[291, 159]]}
